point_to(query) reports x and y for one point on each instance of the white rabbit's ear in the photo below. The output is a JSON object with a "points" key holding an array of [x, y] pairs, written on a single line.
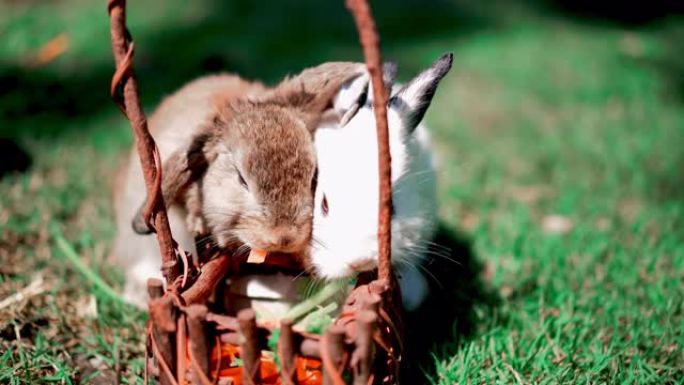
{"points": [[413, 99], [358, 92], [389, 75], [350, 98]]}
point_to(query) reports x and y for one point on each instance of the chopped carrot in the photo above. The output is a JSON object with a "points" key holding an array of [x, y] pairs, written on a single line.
{"points": [[257, 256], [309, 370]]}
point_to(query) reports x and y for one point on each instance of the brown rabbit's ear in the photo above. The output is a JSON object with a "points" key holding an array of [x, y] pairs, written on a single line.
{"points": [[326, 78], [179, 171], [313, 90]]}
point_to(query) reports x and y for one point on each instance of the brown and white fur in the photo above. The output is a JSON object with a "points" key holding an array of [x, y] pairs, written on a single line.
{"points": [[240, 156], [346, 211]]}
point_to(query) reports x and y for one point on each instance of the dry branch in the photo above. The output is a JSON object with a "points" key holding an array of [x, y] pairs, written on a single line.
{"points": [[249, 344], [199, 350], [162, 319], [129, 102], [370, 41], [286, 351]]}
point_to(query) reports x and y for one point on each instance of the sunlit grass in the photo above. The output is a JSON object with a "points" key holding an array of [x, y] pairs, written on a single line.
{"points": [[542, 119]]}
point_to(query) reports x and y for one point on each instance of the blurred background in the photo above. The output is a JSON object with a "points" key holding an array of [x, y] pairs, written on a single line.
{"points": [[560, 132]]}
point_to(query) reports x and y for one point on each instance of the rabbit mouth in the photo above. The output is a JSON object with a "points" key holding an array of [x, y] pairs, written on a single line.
{"points": [[287, 245], [271, 249]]}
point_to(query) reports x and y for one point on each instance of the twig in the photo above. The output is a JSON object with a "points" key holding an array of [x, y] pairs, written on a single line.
{"points": [[370, 41], [161, 331], [117, 364], [35, 288], [363, 355], [212, 272], [198, 348], [129, 102], [286, 352], [386, 283], [332, 355], [251, 373]]}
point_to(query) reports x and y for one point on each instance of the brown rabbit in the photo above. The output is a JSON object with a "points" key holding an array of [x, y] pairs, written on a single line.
{"points": [[240, 157]]}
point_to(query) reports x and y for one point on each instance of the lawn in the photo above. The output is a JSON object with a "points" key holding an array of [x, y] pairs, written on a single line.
{"points": [[560, 140]]}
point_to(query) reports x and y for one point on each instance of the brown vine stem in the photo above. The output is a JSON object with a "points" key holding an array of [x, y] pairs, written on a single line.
{"points": [[129, 102], [370, 41]]}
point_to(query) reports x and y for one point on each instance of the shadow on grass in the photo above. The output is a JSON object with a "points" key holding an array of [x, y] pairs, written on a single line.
{"points": [[447, 319], [13, 158], [670, 64]]}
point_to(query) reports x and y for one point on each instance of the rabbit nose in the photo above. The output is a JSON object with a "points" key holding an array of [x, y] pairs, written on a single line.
{"points": [[285, 240]]}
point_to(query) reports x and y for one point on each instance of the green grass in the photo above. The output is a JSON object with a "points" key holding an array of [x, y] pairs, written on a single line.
{"points": [[543, 116]]}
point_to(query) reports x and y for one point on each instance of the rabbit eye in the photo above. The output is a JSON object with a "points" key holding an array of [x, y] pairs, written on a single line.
{"points": [[314, 181], [242, 181], [324, 206]]}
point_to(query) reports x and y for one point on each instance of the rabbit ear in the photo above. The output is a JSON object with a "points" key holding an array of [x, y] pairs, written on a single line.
{"points": [[350, 98], [312, 91], [179, 171], [413, 99], [389, 74], [357, 92]]}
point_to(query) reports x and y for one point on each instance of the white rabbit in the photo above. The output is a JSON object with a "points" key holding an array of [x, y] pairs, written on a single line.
{"points": [[346, 212]]}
